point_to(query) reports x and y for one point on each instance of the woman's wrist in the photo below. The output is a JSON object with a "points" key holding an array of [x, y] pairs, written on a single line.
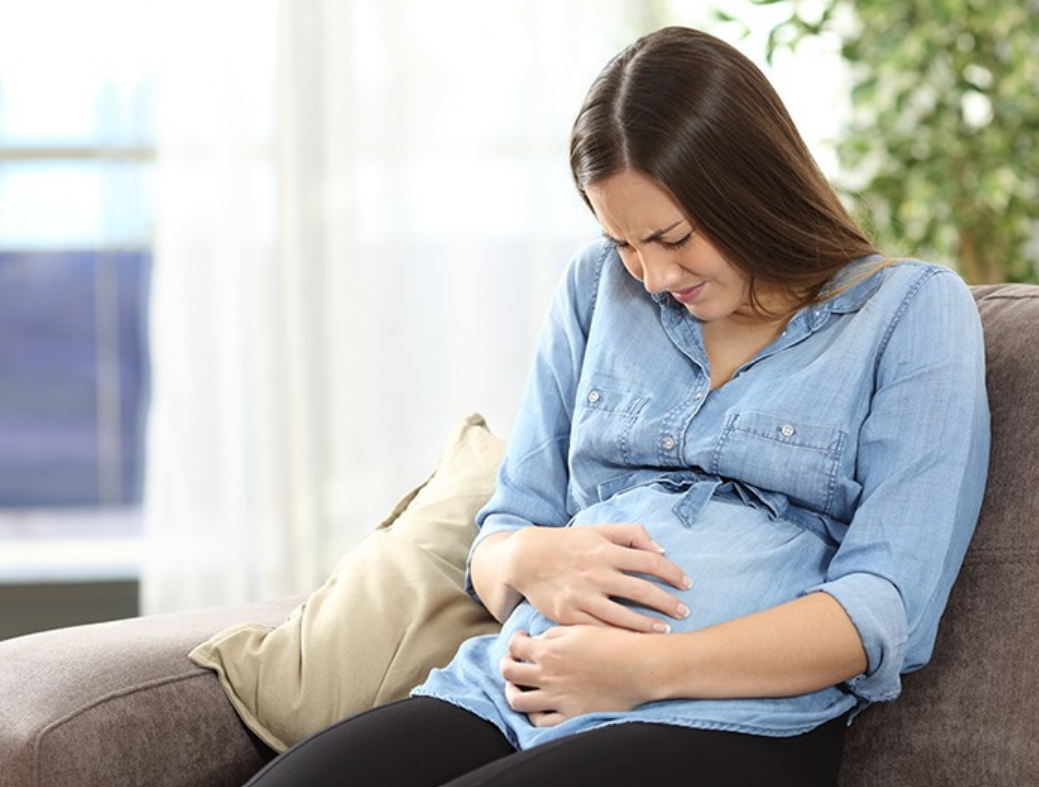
{"points": [[665, 663], [492, 571], [513, 566]]}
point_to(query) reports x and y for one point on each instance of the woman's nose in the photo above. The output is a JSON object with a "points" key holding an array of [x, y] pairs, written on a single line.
{"points": [[659, 273]]}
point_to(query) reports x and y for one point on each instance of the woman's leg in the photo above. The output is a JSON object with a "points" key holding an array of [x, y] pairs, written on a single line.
{"points": [[652, 754], [410, 743]]}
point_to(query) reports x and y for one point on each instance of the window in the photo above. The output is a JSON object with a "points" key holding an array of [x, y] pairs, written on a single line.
{"points": [[76, 152]]}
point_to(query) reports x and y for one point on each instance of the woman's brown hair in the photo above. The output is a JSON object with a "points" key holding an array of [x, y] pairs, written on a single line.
{"points": [[700, 118]]}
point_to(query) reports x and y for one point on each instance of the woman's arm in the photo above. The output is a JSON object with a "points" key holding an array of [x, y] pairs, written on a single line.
{"points": [[795, 648], [921, 461], [571, 575]]}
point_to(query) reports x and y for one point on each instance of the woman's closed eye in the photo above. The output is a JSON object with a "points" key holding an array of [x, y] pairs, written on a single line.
{"points": [[623, 245], [680, 243]]}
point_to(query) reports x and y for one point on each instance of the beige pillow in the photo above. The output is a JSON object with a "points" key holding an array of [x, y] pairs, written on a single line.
{"points": [[393, 609]]}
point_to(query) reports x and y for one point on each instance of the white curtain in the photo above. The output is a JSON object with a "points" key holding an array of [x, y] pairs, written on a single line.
{"points": [[362, 208]]}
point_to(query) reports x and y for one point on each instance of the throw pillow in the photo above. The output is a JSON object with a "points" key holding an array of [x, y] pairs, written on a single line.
{"points": [[393, 608]]}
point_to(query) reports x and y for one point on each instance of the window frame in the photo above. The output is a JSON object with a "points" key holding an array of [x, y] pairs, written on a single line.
{"points": [[74, 543]]}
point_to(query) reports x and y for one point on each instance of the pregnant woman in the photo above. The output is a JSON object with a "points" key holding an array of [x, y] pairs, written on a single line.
{"points": [[745, 472]]}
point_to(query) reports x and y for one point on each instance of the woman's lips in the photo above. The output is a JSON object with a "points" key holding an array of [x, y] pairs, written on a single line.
{"points": [[689, 294]]}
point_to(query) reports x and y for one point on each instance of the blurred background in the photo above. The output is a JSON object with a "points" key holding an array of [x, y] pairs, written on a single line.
{"points": [[257, 258]]}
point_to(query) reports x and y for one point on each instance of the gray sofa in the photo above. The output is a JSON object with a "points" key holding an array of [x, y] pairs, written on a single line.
{"points": [[120, 704]]}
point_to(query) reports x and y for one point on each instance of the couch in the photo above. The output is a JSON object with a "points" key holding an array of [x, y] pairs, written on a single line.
{"points": [[121, 704]]}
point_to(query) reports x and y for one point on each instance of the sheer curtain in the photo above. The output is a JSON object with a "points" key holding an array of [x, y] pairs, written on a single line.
{"points": [[362, 208]]}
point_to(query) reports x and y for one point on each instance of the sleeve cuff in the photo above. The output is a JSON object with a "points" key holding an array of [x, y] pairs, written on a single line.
{"points": [[492, 526], [876, 609]]}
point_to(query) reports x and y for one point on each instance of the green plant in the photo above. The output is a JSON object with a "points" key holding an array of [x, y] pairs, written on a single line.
{"points": [[941, 155]]}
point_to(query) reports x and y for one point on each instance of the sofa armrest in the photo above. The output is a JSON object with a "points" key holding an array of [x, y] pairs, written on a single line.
{"points": [[120, 704]]}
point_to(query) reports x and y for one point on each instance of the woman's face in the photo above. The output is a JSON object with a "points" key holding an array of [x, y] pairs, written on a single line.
{"points": [[661, 248]]}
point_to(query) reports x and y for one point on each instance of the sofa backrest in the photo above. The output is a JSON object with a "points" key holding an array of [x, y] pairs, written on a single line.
{"points": [[971, 718]]}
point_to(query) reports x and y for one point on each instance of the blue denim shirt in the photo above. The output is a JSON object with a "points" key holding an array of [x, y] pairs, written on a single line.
{"points": [[847, 457]]}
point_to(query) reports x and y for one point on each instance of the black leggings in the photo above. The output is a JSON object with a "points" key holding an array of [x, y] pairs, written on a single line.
{"points": [[426, 742]]}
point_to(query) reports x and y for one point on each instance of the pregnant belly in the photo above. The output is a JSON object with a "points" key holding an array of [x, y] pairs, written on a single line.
{"points": [[741, 558]]}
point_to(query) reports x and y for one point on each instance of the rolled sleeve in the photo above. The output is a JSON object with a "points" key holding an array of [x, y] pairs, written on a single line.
{"points": [[499, 524], [878, 613]]}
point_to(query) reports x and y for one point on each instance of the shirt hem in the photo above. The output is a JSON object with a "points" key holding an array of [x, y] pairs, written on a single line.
{"points": [[672, 721]]}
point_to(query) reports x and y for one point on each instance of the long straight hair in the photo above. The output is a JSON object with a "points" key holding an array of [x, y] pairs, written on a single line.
{"points": [[700, 118]]}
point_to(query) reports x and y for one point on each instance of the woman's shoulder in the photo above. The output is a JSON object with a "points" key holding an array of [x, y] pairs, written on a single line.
{"points": [[915, 269], [926, 300], [929, 284], [928, 305], [577, 289], [898, 283], [584, 270], [591, 262], [594, 272]]}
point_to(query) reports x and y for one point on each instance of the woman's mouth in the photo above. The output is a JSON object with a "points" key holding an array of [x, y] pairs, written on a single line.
{"points": [[689, 294]]}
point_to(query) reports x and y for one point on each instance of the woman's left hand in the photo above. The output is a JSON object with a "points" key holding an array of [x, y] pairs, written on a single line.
{"points": [[572, 670]]}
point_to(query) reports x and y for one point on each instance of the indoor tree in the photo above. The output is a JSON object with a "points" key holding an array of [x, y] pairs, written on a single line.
{"points": [[941, 154]]}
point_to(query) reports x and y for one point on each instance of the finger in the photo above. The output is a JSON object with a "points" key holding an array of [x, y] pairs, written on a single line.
{"points": [[601, 608], [631, 536], [526, 700], [519, 646], [648, 594], [613, 614], [640, 591], [550, 719], [575, 610], [654, 565], [519, 674], [513, 695]]}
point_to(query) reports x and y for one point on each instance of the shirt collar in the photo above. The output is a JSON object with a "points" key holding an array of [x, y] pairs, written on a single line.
{"points": [[854, 285]]}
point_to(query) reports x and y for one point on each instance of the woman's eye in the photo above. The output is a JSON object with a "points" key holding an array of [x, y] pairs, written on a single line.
{"points": [[678, 244]]}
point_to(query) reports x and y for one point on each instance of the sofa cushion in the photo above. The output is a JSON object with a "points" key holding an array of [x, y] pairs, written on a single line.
{"points": [[393, 608]]}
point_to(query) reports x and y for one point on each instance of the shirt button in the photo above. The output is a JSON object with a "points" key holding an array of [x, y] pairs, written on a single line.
{"points": [[668, 443], [593, 397], [787, 430]]}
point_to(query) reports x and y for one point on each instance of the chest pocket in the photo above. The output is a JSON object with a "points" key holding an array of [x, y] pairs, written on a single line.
{"points": [[780, 454], [604, 418]]}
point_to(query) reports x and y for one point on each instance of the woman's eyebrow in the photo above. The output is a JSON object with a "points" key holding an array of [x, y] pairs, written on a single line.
{"points": [[649, 238], [661, 232]]}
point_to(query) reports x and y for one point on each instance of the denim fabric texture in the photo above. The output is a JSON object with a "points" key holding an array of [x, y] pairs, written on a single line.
{"points": [[847, 457]]}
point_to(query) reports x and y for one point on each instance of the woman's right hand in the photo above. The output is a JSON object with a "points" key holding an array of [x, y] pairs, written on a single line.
{"points": [[574, 575]]}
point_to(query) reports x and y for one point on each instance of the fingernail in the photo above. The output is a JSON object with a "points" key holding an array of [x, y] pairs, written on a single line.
{"points": [[662, 628], [687, 582], [683, 611], [659, 548]]}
